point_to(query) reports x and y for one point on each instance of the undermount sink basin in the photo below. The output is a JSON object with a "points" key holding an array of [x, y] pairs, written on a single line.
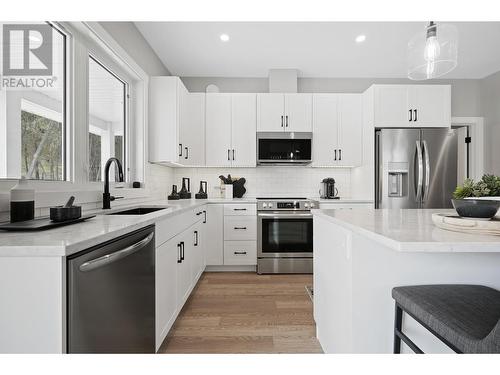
{"points": [[138, 211]]}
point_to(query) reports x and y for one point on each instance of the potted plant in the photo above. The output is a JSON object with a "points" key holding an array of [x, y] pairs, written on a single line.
{"points": [[478, 200]]}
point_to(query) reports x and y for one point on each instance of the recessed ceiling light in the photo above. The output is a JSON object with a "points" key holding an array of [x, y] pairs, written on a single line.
{"points": [[224, 37], [360, 38]]}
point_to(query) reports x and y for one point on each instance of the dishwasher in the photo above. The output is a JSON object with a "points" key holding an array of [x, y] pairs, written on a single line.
{"points": [[111, 296]]}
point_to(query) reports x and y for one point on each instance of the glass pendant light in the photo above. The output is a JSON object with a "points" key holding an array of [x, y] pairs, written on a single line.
{"points": [[433, 53]]}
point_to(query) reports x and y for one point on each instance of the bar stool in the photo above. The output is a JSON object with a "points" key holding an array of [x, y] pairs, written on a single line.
{"points": [[464, 317]]}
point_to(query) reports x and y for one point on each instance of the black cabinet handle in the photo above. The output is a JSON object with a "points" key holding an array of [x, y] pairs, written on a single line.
{"points": [[240, 252], [205, 219], [233, 153], [281, 121], [228, 157], [415, 112], [199, 213], [239, 209], [180, 149], [340, 154], [287, 121], [240, 228], [335, 158], [196, 238], [182, 251], [187, 153], [179, 260], [410, 116]]}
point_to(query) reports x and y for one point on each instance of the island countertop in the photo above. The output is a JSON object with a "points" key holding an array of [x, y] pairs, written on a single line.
{"points": [[409, 230]]}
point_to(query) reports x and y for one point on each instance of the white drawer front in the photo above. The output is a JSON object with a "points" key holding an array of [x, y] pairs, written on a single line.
{"points": [[240, 228], [172, 226], [240, 209], [238, 253]]}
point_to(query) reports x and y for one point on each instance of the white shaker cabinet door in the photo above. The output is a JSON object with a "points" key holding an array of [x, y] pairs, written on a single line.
{"points": [[270, 112], [214, 238], [244, 119], [193, 129], [298, 112], [325, 129], [391, 106], [350, 135], [431, 105], [218, 129]]}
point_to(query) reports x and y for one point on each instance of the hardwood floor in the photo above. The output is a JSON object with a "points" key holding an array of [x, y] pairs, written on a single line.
{"points": [[245, 313]]}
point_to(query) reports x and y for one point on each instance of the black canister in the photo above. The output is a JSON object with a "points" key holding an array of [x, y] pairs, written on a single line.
{"points": [[22, 202]]}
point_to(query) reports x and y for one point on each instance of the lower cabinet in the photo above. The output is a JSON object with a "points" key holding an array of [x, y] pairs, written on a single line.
{"points": [[240, 253], [240, 235], [180, 262], [214, 235]]}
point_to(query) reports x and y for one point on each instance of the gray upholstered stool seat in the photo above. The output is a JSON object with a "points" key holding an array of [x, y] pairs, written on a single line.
{"points": [[467, 317]]}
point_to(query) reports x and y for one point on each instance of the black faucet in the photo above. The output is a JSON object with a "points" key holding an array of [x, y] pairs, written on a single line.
{"points": [[106, 197]]}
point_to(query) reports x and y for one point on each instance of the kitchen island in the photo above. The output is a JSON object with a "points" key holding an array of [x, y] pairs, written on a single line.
{"points": [[360, 255]]}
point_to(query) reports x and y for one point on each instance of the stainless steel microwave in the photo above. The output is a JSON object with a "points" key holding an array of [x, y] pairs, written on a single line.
{"points": [[284, 148]]}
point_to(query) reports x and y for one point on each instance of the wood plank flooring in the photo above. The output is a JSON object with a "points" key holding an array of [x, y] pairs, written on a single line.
{"points": [[245, 313]]}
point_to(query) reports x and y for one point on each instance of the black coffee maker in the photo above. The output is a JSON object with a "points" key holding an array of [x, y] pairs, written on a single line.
{"points": [[185, 192], [328, 191]]}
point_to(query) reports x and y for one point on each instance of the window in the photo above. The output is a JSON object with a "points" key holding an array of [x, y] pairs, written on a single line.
{"points": [[107, 109], [33, 129]]}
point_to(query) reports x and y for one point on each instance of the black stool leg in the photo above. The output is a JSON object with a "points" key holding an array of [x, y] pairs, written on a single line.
{"points": [[398, 323]]}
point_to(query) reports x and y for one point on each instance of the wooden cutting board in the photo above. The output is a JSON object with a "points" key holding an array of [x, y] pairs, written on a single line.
{"points": [[458, 224]]}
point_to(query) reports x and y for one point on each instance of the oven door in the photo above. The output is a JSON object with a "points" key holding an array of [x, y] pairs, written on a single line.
{"points": [[284, 234]]}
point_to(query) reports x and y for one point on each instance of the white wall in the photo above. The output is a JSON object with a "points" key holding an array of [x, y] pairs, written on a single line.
{"points": [[490, 108], [269, 181]]}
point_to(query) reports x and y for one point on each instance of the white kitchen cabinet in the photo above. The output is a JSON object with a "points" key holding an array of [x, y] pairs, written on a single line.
{"points": [[166, 266], [165, 97], [240, 228], [230, 130], [192, 129], [243, 130], [214, 238], [240, 253], [218, 130], [284, 112], [337, 130], [410, 106], [198, 264], [240, 234], [184, 266]]}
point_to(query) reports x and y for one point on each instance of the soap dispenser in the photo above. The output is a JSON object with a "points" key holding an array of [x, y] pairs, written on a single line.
{"points": [[22, 202]]}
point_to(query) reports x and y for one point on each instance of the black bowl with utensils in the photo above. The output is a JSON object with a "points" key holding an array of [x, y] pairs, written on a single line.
{"points": [[66, 212], [174, 196], [481, 209]]}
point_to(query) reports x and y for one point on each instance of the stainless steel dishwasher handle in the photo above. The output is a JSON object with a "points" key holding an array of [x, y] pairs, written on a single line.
{"points": [[113, 257]]}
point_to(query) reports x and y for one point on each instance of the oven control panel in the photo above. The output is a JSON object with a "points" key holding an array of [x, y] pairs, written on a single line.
{"points": [[286, 205]]}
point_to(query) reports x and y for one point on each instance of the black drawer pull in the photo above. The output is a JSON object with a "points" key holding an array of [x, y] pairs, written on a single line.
{"points": [[239, 209], [242, 228], [199, 213], [240, 253]]}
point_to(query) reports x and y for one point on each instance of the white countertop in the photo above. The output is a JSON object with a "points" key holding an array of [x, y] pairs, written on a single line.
{"points": [[409, 230], [69, 239]]}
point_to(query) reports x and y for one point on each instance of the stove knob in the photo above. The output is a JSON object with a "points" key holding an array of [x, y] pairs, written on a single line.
{"points": [[264, 205], [312, 205], [270, 205], [306, 205]]}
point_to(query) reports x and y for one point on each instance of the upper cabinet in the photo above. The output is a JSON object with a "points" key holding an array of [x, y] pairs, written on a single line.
{"points": [[337, 130], [410, 105], [176, 123], [231, 130], [284, 112]]}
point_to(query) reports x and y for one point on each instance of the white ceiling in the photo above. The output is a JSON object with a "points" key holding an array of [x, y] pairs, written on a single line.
{"points": [[316, 49]]}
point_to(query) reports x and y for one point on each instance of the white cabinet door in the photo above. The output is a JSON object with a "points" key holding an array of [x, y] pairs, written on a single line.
{"points": [[350, 135], [166, 288], [198, 256], [391, 106], [325, 129], [164, 115], [192, 130], [214, 239], [432, 104], [270, 112], [298, 112], [184, 276], [244, 137], [218, 129]]}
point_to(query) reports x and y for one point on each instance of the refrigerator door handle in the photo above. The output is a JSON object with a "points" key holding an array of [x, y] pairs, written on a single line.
{"points": [[419, 178], [427, 171]]}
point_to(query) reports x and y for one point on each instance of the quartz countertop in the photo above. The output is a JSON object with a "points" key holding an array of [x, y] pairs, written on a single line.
{"points": [[409, 230], [69, 239]]}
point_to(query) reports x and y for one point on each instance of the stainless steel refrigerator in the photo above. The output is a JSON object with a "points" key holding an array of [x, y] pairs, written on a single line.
{"points": [[415, 168]]}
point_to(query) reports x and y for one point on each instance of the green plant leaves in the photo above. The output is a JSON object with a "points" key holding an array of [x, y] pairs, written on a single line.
{"points": [[488, 186]]}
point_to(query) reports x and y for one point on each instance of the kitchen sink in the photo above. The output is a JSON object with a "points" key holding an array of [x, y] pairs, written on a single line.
{"points": [[138, 211]]}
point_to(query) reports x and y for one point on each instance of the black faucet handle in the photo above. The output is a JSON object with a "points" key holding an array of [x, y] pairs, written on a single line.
{"points": [[115, 198]]}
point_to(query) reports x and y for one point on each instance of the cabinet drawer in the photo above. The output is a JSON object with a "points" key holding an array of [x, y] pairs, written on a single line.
{"points": [[237, 209], [172, 226], [240, 228], [238, 253]]}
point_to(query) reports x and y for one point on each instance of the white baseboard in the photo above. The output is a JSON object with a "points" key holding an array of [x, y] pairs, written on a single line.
{"points": [[231, 269]]}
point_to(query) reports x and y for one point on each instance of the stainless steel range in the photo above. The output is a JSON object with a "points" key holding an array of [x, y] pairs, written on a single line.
{"points": [[285, 235]]}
